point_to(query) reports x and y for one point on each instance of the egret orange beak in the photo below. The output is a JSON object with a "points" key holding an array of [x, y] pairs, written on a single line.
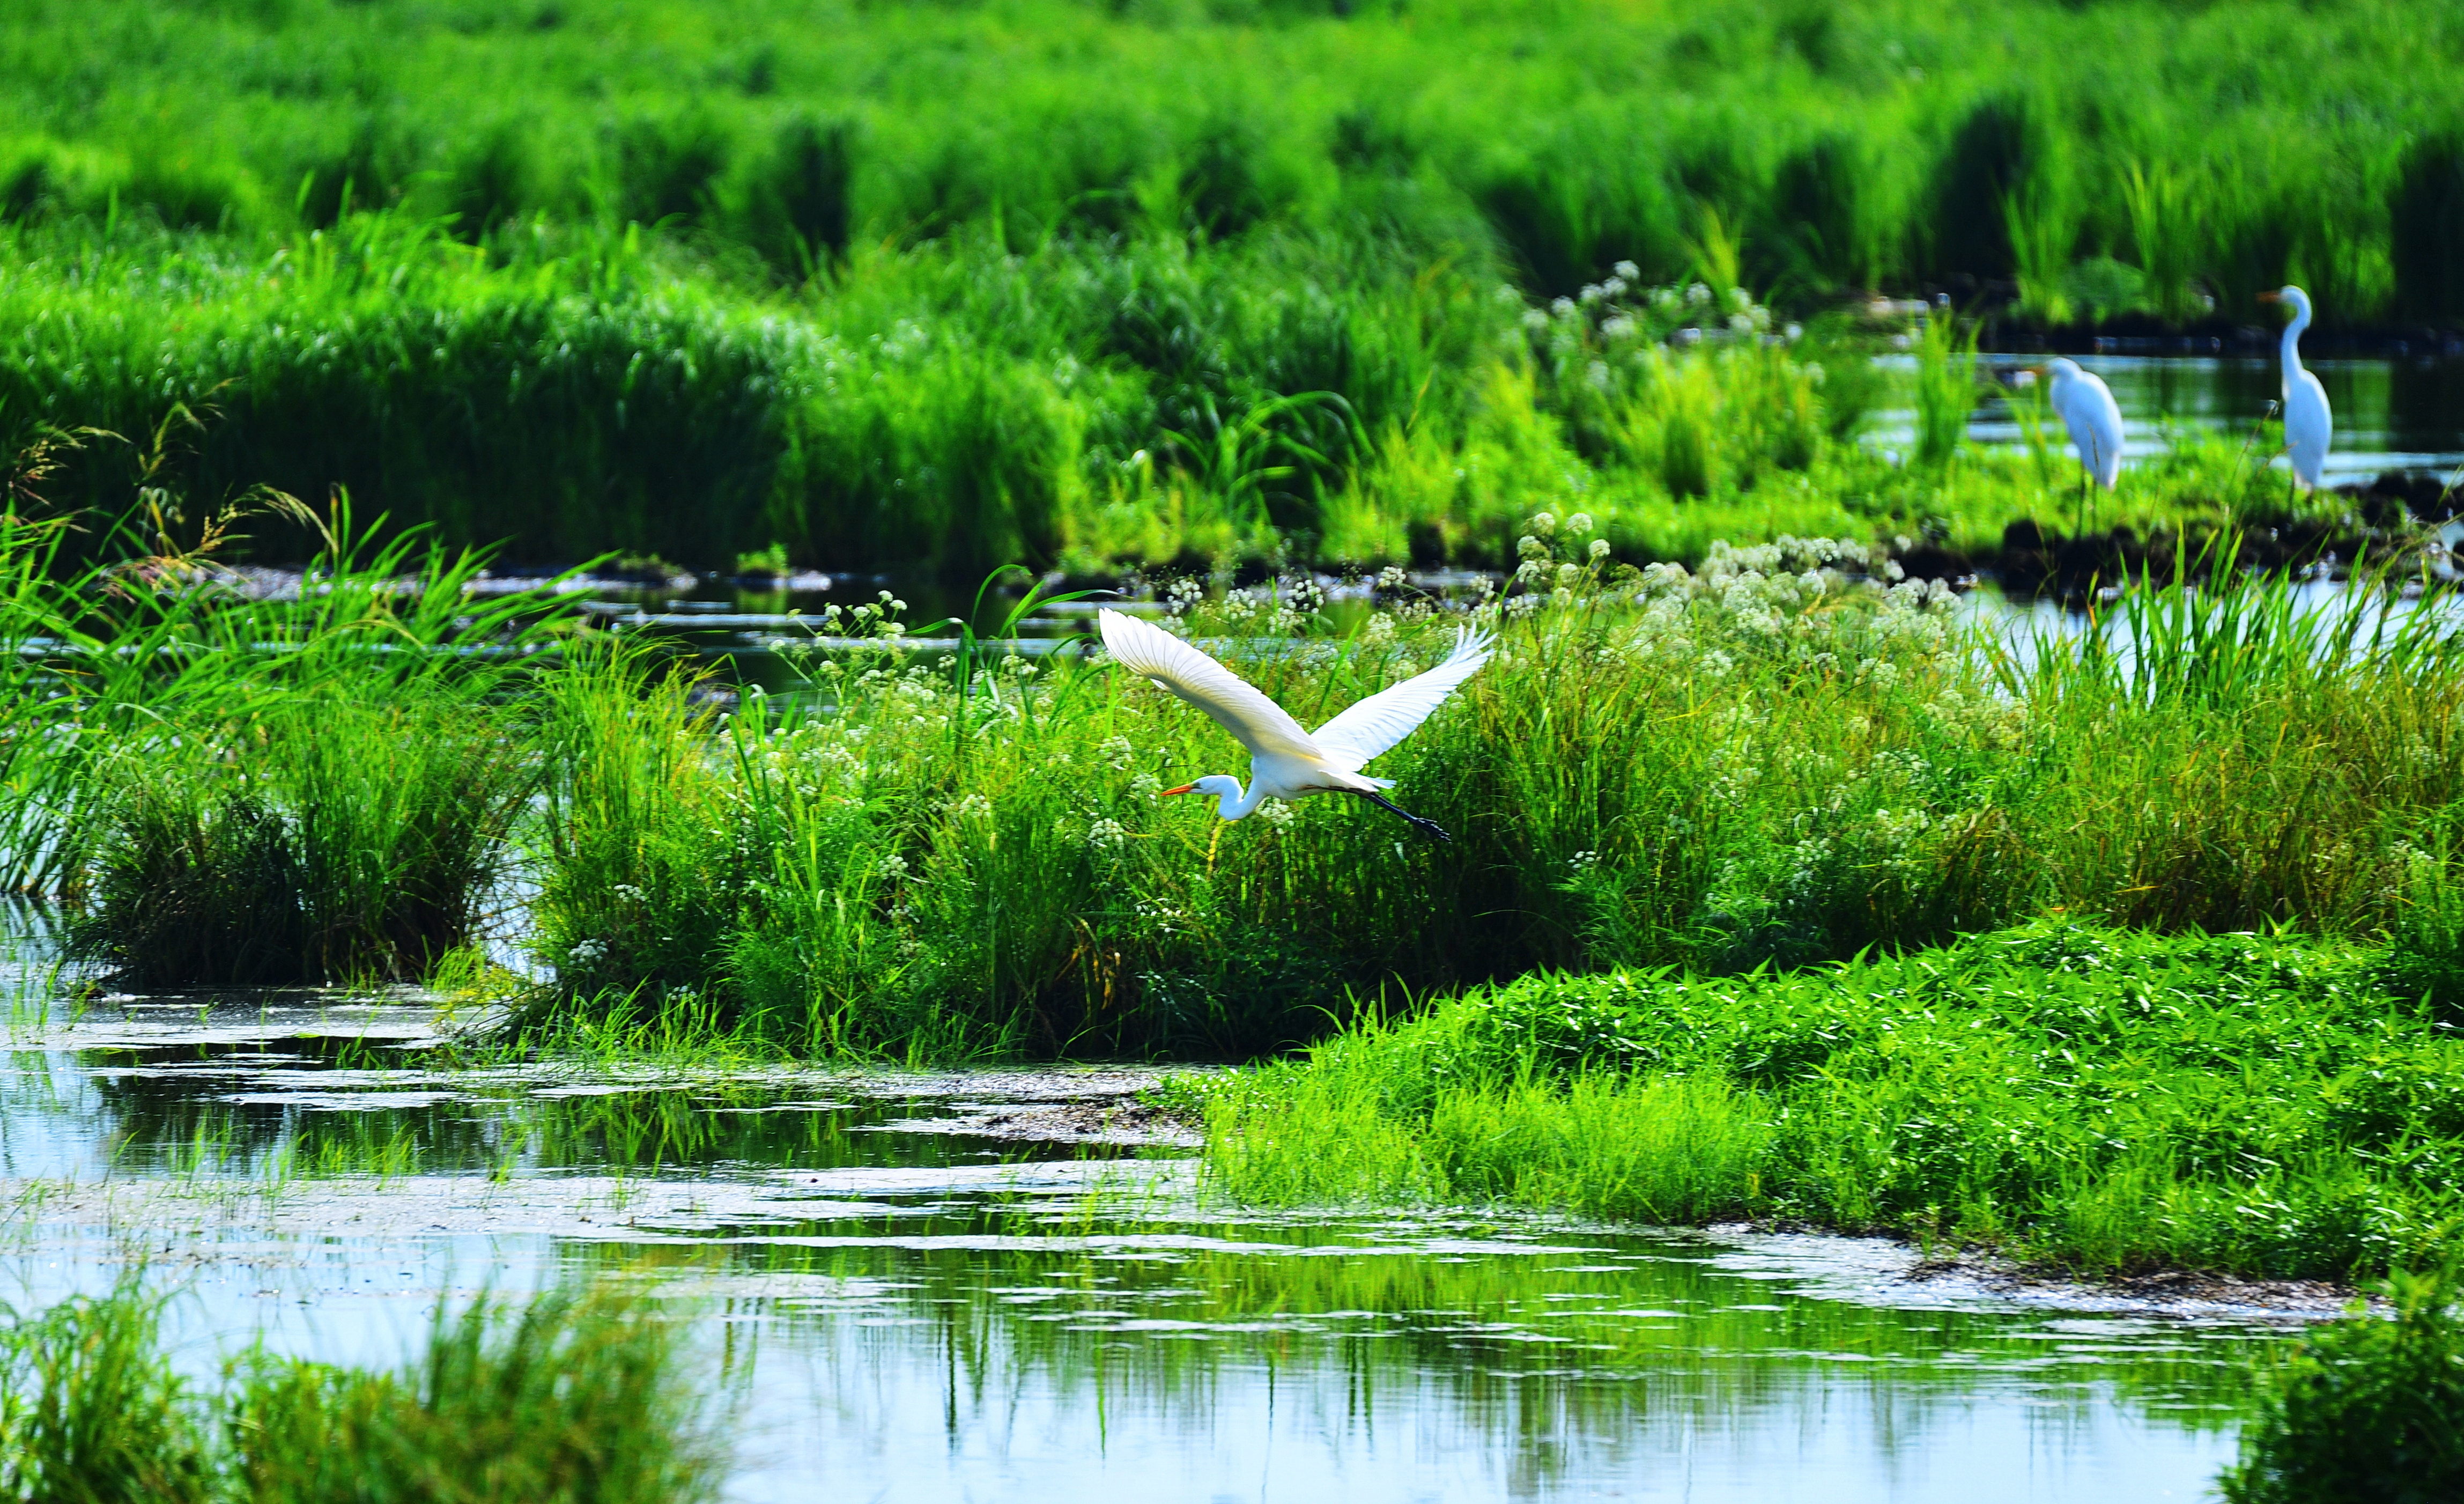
{"points": [[2271, 298], [1185, 789]]}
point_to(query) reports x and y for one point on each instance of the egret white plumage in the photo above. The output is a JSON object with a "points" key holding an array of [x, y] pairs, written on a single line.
{"points": [[1286, 762], [2093, 419], [2308, 425]]}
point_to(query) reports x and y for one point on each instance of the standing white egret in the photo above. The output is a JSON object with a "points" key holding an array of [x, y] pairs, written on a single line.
{"points": [[2095, 420], [2308, 425], [1286, 762]]}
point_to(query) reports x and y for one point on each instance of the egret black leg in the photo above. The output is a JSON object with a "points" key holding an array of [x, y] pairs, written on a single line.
{"points": [[1431, 826]]}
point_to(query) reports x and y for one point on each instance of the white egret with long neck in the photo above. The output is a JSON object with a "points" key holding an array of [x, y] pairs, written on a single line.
{"points": [[2308, 423], [1286, 762]]}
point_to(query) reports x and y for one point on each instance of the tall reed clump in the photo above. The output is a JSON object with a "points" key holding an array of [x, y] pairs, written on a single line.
{"points": [[577, 1396], [1947, 387], [232, 787], [2365, 1408], [2099, 1100], [90, 1408]]}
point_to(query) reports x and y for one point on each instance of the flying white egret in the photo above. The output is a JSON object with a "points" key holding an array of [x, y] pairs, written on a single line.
{"points": [[2308, 425], [1286, 762], [2095, 420]]}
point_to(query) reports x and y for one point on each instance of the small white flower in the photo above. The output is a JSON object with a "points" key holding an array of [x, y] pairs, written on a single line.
{"points": [[1277, 813], [1544, 523], [1391, 577], [586, 954], [1599, 549], [1146, 785], [894, 867], [1120, 753], [1627, 270], [974, 806], [1108, 836]]}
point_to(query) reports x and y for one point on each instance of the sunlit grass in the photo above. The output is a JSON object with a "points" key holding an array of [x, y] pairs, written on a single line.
{"points": [[579, 1395], [2098, 1100]]}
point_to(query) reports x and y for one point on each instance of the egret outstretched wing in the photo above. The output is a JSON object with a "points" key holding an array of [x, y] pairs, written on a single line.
{"points": [[1376, 723], [1254, 720]]}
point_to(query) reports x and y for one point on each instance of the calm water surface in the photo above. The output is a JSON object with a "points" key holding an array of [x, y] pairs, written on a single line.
{"points": [[908, 1309]]}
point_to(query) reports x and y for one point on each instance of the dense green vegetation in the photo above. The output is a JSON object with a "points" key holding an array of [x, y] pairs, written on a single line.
{"points": [[1782, 759], [2101, 1099], [572, 1398], [946, 287], [2366, 1408]]}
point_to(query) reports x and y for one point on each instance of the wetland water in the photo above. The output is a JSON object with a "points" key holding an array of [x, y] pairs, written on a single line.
{"points": [[2390, 415], [910, 1296]]}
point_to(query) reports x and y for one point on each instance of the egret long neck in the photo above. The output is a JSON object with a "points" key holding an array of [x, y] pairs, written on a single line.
{"points": [[2293, 340], [1240, 801]]}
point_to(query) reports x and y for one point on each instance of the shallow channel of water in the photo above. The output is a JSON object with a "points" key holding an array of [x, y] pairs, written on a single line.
{"points": [[951, 1287]]}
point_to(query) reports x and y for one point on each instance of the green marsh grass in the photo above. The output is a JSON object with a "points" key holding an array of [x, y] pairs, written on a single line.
{"points": [[1092, 318], [239, 787], [2097, 1099], [577, 1396], [1784, 759], [2364, 1408]]}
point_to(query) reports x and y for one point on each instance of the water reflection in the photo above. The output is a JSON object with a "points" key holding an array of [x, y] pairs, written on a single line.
{"points": [[936, 1316]]}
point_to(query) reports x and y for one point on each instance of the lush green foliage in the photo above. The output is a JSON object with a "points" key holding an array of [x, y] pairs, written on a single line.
{"points": [[1841, 142], [572, 1398], [943, 288], [1779, 759], [90, 1409], [242, 786], [2369, 1409], [2101, 1099]]}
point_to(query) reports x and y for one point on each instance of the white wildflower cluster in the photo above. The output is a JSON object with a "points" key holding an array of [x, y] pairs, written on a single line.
{"points": [[1263, 611], [1617, 339], [1117, 754], [1619, 311], [970, 806], [1985, 721], [1108, 836], [1146, 785], [1183, 594], [885, 614], [1391, 577], [1378, 632], [1832, 605], [893, 868], [585, 954], [1277, 813]]}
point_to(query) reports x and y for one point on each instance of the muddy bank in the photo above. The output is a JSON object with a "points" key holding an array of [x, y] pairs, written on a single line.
{"points": [[2381, 525]]}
